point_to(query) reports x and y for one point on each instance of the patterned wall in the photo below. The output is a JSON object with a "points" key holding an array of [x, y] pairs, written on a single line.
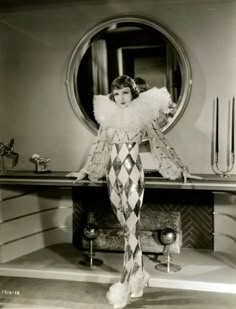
{"points": [[196, 208]]}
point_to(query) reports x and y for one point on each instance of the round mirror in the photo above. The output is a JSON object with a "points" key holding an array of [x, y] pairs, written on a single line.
{"points": [[133, 46]]}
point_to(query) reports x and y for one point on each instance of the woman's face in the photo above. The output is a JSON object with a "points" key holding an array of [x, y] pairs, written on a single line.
{"points": [[122, 97]]}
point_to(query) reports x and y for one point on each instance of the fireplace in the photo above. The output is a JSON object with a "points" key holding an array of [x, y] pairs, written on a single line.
{"points": [[189, 212]]}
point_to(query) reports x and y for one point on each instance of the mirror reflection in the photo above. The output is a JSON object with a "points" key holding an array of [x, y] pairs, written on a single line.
{"points": [[134, 47]]}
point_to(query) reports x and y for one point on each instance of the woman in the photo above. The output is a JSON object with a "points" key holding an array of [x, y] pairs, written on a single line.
{"points": [[125, 117]]}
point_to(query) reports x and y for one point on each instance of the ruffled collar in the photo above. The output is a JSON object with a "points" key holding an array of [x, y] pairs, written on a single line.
{"points": [[142, 110]]}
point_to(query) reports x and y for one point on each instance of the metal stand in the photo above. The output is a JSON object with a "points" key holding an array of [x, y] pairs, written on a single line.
{"points": [[223, 173], [89, 259], [167, 266], [167, 237], [90, 232]]}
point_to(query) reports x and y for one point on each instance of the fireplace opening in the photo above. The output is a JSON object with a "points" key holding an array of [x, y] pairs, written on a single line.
{"points": [[189, 212]]}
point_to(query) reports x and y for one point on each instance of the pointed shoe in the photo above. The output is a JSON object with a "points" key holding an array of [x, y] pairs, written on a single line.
{"points": [[138, 284]]}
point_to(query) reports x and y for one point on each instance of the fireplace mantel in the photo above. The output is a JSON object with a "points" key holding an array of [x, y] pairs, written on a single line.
{"points": [[209, 182], [36, 210]]}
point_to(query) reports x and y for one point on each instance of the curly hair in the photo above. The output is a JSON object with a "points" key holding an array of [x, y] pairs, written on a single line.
{"points": [[141, 84], [122, 82]]}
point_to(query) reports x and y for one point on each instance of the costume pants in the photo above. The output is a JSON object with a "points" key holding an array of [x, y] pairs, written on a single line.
{"points": [[125, 179]]}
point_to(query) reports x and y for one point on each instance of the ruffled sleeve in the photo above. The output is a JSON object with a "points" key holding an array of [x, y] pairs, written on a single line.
{"points": [[165, 158], [95, 166]]}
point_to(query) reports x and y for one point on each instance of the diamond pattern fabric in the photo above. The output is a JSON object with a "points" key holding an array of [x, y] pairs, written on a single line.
{"points": [[115, 154], [126, 187]]}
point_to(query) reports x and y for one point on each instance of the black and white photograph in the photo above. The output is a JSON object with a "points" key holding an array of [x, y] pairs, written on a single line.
{"points": [[117, 154]]}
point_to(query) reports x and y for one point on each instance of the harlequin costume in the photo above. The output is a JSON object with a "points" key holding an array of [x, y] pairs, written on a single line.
{"points": [[115, 154]]}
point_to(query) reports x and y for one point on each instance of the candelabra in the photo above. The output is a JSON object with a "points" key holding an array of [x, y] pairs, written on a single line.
{"points": [[215, 140]]}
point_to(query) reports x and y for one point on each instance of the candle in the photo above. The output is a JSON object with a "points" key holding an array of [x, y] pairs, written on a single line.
{"points": [[217, 127], [232, 127]]}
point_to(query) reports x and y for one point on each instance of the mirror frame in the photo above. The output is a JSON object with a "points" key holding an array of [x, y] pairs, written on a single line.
{"points": [[83, 45]]}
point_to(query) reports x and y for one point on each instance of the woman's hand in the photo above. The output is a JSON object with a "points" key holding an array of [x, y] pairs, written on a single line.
{"points": [[187, 175], [79, 175]]}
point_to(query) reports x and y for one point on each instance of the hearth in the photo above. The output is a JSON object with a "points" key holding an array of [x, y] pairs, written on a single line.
{"points": [[189, 212]]}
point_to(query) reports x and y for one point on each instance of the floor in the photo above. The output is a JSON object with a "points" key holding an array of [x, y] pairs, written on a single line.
{"points": [[56, 277], [201, 270], [65, 294]]}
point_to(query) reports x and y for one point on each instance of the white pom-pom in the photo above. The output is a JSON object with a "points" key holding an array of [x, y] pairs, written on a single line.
{"points": [[118, 295]]}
